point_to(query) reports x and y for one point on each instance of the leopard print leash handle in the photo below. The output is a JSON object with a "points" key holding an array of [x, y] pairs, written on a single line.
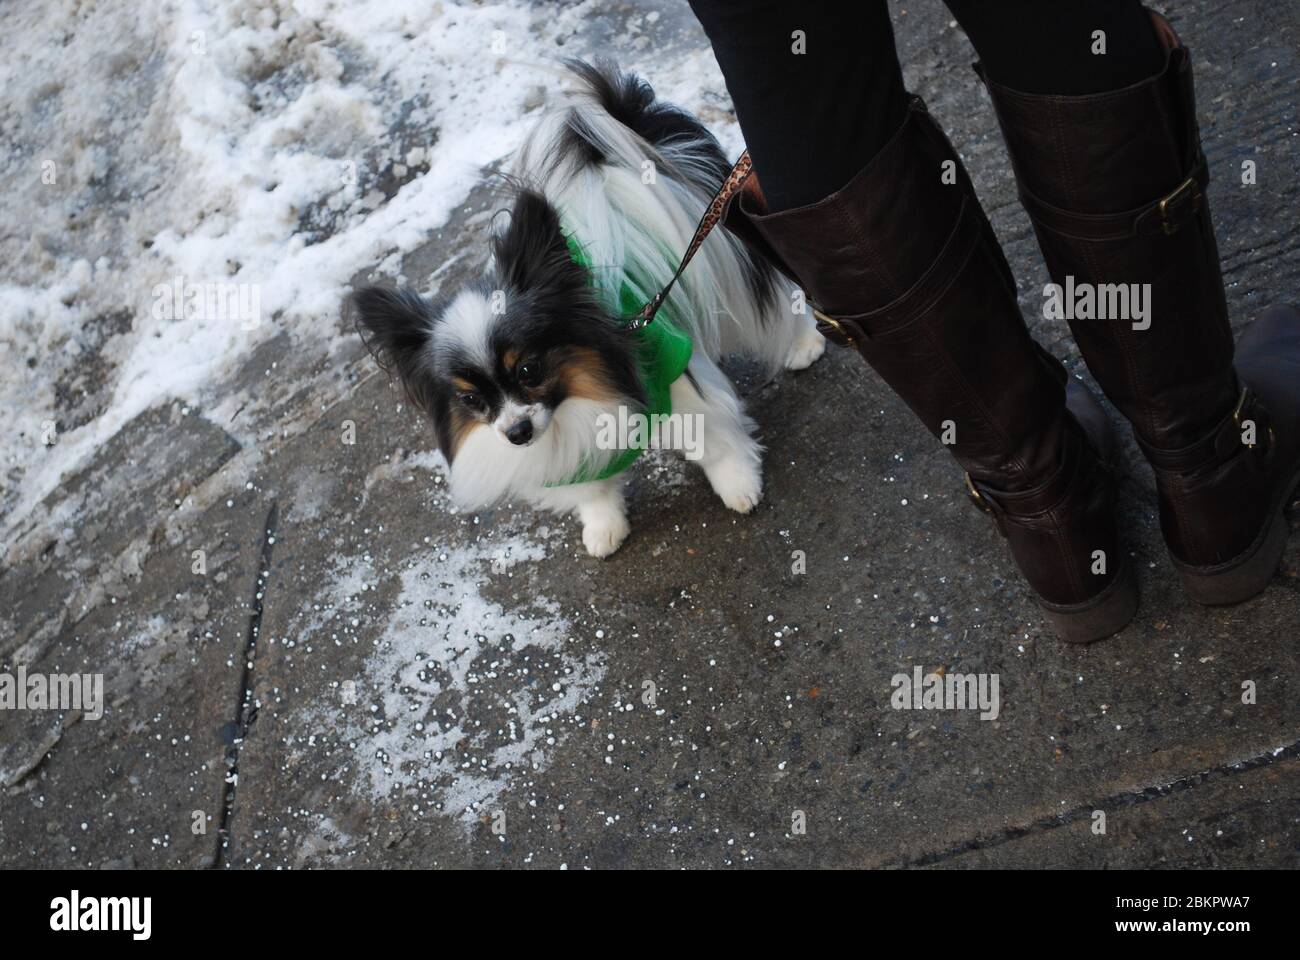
{"points": [[713, 214]]}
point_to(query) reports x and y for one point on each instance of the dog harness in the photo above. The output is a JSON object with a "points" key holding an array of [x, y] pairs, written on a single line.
{"points": [[663, 352], [664, 348]]}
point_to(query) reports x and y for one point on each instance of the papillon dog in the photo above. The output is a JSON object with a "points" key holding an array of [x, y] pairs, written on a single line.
{"points": [[525, 372]]}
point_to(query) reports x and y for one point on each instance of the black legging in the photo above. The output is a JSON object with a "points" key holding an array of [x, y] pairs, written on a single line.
{"points": [[811, 120]]}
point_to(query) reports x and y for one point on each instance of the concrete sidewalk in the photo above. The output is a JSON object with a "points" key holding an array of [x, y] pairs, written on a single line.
{"points": [[362, 677]]}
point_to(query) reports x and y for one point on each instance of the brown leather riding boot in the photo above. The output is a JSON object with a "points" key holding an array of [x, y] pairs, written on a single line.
{"points": [[1115, 186], [902, 265]]}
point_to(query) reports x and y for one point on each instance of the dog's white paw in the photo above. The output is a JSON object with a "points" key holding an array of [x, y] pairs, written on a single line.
{"points": [[738, 484], [806, 350], [604, 534]]}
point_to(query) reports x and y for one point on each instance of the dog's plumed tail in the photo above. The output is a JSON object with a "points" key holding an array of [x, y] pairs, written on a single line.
{"points": [[630, 177]]}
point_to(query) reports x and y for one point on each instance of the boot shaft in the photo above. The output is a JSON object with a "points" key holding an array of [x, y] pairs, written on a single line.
{"points": [[902, 265], [1114, 184]]}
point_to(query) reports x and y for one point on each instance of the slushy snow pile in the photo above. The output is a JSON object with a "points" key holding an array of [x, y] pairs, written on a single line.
{"points": [[282, 145]]}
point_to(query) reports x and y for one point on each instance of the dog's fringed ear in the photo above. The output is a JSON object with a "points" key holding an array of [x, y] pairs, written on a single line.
{"points": [[532, 252], [395, 325]]}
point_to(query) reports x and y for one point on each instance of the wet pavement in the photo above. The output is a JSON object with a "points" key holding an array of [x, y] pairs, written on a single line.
{"points": [[358, 675]]}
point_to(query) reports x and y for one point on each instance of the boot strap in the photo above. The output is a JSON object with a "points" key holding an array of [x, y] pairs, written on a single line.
{"points": [[857, 329], [1166, 215], [1223, 442], [1077, 456]]}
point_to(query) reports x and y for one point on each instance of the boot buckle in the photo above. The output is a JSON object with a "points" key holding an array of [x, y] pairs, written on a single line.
{"points": [[1241, 406], [1247, 398], [1177, 204], [976, 497], [832, 329]]}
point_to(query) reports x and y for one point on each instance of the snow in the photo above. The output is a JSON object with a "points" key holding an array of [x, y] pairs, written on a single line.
{"points": [[462, 693], [241, 143]]}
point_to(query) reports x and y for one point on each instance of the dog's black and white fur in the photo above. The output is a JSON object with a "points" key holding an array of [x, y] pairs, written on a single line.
{"points": [[517, 370]]}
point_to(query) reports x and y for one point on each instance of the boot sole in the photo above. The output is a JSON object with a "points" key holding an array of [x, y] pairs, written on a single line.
{"points": [[1246, 576], [1100, 617]]}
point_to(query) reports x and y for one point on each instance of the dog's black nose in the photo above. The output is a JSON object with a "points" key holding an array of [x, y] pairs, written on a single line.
{"points": [[521, 432]]}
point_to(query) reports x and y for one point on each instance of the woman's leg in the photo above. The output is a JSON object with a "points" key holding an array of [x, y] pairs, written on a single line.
{"points": [[1050, 46], [1109, 162], [874, 215], [800, 73]]}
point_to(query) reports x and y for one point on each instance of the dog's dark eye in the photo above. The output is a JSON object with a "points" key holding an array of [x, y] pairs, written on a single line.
{"points": [[473, 401], [529, 373]]}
